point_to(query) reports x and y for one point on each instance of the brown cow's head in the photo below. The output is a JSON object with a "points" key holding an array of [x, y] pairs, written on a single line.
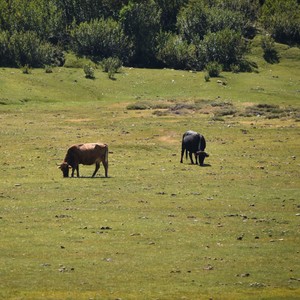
{"points": [[65, 169], [202, 155]]}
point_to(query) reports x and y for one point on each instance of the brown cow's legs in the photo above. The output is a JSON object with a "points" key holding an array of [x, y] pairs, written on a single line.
{"points": [[77, 171], [96, 169], [105, 165]]}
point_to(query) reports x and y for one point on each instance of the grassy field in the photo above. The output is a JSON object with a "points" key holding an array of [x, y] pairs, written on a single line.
{"points": [[155, 229]]}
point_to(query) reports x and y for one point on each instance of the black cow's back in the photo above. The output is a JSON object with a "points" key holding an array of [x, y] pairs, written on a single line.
{"points": [[193, 141]]}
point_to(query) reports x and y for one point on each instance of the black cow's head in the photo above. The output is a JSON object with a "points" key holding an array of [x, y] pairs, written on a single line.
{"points": [[65, 169], [202, 155]]}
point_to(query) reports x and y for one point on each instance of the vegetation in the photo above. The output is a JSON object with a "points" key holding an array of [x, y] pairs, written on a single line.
{"points": [[151, 33], [155, 229]]}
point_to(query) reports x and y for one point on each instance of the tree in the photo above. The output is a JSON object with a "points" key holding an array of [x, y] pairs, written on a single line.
{"points": [[169, 11], [25, 48], [5, 58], [87, 10], [192, 21], [281, 18], [141, 23], [225, 47], [175, 52], [100, 39]]}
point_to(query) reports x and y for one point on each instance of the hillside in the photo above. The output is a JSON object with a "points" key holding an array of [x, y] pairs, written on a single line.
{"points": [[155, 228]]}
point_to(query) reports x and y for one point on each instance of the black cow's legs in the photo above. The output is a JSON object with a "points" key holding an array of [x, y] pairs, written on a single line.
{"points": [[191, 157], [182, 153]]}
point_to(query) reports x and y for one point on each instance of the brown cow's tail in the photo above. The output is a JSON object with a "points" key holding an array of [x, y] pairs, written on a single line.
{"points": [[106, 153], [105, 162]]}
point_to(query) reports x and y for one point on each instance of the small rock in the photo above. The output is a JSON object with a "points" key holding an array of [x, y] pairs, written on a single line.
{"points": [[135, 234], [105, 228], [107, 259], [239, 238], [257, 284]]}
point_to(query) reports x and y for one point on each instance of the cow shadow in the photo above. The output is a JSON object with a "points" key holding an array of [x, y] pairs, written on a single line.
{"points": [[206, 165], [203, 166], [90, 177]]}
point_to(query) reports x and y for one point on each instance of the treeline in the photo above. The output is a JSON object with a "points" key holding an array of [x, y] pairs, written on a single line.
{"points": [[181, 34]]}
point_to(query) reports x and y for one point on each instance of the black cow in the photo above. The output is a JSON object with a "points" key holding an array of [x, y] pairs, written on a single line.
{"points": [[85, 154], [194, 142]]}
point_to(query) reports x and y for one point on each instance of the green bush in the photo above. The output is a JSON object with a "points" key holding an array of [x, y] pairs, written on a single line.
{"points": [[206, 77], [89, 72], [26, 69], [270, 52], [213, 69], [282, 20], [225, 47], [111, 66], [48, 69], [25, 48], [175, 52]]}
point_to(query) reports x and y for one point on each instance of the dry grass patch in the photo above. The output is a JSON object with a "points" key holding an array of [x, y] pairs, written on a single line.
{"points": [[218, 109]]}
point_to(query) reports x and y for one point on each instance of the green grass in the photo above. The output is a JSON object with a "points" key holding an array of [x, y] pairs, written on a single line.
{"points": [[155, 229]]}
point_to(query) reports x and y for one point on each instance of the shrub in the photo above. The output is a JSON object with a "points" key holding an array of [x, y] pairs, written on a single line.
{"points": [[25, 48], [206, 77], [213, 69], [225, 47], [111, 66], [268, 46], [89, 72], [140, 105], [26, 69], [175, 52], [48, 69]]}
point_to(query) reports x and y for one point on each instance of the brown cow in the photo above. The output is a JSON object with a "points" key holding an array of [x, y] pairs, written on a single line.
{"points": [[85, 154]]}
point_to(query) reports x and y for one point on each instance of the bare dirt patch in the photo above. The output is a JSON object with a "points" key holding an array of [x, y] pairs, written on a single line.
{"points": [[80, 120]]}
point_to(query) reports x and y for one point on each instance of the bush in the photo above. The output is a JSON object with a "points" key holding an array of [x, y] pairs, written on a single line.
{"points": [[175, 52], [141, 105], [206, 77], [111, 66], [89, 72], [225, 47], [213, 69], [268, 46], [25, 48], [48, 69], [26, 69]]}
